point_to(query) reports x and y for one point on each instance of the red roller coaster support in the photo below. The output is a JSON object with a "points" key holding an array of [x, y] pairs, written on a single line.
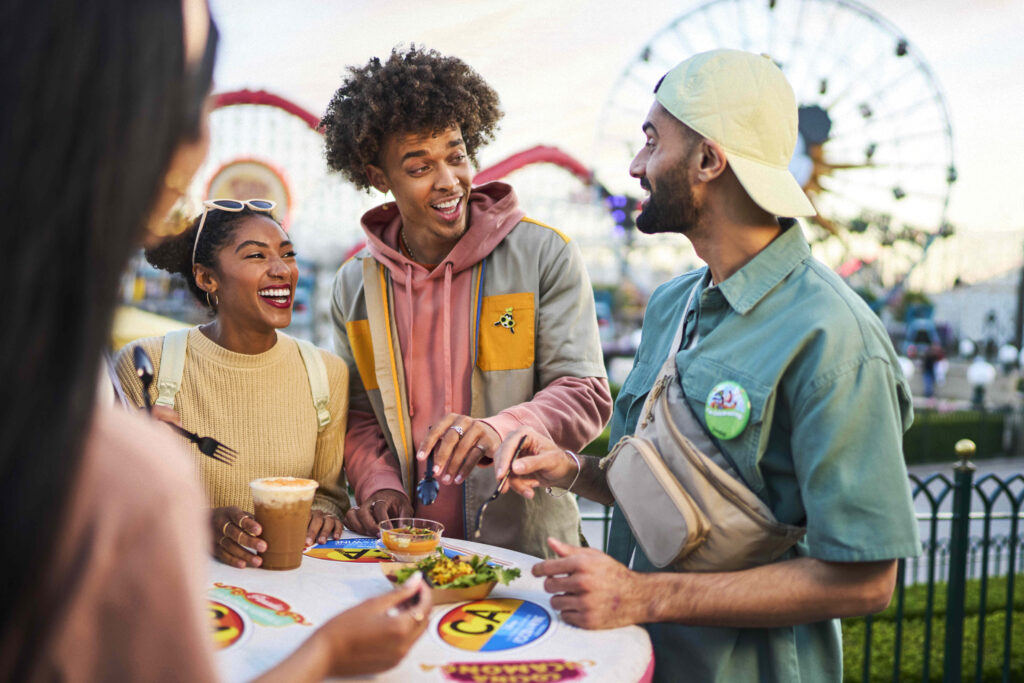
{"points": [[541, 154], [227, 99]]}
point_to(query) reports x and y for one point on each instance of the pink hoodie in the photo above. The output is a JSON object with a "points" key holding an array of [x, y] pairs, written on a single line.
{"points": [[437, 358]]}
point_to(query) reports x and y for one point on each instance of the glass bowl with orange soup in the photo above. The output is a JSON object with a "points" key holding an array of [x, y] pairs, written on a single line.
{"points": [[410, 539]]}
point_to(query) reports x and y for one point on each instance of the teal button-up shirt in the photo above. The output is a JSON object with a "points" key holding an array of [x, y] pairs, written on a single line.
{"points": [[822, 448]]}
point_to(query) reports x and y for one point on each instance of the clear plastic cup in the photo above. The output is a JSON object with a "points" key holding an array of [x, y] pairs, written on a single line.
{"points": [[283, 506]]}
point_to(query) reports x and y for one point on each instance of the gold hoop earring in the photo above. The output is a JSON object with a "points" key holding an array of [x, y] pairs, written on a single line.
{"points": [[215, 303]]}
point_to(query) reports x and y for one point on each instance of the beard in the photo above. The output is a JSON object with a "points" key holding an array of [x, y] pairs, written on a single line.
{"points": [[672, 207]]}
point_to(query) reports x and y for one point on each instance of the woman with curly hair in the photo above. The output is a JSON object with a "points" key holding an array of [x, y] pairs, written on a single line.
{"points": [[243, 381], [462, 319]]}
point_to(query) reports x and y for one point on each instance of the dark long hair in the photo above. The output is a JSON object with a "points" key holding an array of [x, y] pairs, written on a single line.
{"points": [[96, 99]]}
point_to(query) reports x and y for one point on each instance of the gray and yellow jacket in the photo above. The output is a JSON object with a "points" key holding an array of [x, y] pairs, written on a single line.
{"points": [[519, 268]]}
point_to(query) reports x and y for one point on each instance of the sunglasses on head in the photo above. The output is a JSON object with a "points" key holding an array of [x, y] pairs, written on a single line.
{"points": [[233, 206]]}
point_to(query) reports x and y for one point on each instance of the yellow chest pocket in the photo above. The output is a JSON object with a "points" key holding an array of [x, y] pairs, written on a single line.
{"points": [[506, 332]]}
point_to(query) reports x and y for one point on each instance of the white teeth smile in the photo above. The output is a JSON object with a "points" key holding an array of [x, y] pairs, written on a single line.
{"points": [[275, 292], [448, 205]]}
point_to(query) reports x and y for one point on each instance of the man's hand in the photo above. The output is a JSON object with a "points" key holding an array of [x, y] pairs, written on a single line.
{"points": [[540, 463], [592, 590], [322, 526], [381, 505], [461, 442], [235, 532]]}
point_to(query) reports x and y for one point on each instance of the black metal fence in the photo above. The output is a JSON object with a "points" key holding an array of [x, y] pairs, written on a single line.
{"points": [[952, 615], [955, 604]]}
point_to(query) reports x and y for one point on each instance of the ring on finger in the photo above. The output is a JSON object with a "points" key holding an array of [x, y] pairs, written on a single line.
{"points": [[224, 529], [458, 430]]}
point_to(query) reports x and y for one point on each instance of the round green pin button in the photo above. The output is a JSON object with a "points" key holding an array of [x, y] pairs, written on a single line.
{"points": [[727, 410]]}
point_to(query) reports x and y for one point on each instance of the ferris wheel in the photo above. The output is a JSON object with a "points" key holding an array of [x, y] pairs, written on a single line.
{"points": [[875, 150]]}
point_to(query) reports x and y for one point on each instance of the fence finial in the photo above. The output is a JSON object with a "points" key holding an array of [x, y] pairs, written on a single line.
{"points": [[965, 449]]}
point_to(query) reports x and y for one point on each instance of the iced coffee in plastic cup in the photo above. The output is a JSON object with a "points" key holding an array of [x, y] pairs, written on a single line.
{"points": [[282, 508]]}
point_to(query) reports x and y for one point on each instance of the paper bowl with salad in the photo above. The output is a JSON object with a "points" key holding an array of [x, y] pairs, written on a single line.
{"points": [[453, 579]]}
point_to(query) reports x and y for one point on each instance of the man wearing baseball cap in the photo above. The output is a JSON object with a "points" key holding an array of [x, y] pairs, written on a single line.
{"points": [[818, 430]]}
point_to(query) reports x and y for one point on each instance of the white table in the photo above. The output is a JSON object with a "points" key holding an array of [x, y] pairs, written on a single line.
{"points": [[262, 615]]}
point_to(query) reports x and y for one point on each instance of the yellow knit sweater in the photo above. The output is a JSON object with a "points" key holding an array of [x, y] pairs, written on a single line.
{"points": [[260, 405]]}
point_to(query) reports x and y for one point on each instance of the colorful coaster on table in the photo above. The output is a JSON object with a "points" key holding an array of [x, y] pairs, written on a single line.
{"points": [[363, 550], [228, 625], [265, 610], [350, 550], [494, 624]]}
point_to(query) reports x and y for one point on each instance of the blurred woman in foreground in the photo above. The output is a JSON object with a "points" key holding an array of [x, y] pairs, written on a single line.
{"points": [[103, 524]]}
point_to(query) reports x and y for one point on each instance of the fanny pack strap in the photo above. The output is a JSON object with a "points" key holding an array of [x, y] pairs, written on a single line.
{"points": [[668, 368], [687, 422]]}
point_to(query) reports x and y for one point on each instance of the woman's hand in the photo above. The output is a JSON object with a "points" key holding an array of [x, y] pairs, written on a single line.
{"points": [[461, 444], [374, 635], [235, 531], [371, 637], [322, 526], [384, 504]]}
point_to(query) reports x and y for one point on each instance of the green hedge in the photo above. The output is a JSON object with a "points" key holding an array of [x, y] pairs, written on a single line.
{"points": [[933, 435], [883, 636], [598, 446]]}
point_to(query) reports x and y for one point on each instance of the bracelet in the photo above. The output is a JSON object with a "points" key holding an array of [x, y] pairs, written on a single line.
{"points": [[579, 468]]}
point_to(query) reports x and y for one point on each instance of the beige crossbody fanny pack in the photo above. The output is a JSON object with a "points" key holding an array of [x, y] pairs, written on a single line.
{"points": [[685, 509]]}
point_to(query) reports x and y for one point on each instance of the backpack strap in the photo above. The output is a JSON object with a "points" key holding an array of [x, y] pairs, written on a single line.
{"points": [[317, 381], [172, 364]]}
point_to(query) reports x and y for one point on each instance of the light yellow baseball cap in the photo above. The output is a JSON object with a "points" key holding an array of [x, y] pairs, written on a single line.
{"points": [[743, 102]]}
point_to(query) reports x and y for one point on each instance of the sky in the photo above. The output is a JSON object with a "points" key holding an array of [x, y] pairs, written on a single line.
{"points": [[555, 64]]}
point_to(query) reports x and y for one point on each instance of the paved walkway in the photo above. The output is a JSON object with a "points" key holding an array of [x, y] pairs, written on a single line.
{"points": [[957, 391]]}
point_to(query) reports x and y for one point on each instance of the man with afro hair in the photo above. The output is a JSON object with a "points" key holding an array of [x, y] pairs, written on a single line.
{"points": [[461, 319]]}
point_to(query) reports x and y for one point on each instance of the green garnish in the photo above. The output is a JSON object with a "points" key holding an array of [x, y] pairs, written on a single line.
{"points": [[441, 571]]}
